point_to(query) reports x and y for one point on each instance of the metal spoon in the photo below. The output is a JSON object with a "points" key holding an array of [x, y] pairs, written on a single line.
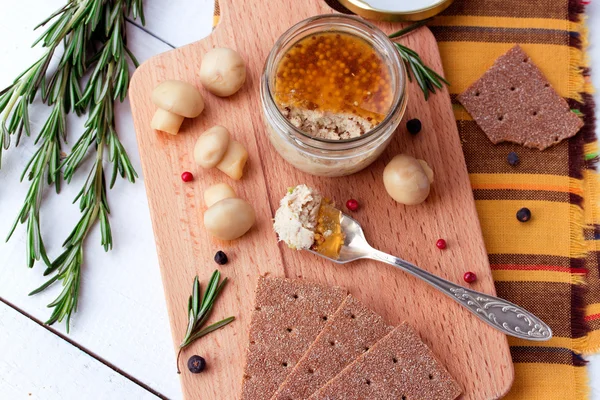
{"points": [[499, 313]]}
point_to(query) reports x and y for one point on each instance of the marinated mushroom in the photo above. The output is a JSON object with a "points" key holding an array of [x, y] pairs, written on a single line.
{"points": [[175, 100], [229, 219], [211, 146], [234, 160], [214, 148], [222, 72], [218, 192], [407, 180]]}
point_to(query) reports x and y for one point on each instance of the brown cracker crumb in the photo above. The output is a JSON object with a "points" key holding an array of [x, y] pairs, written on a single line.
{"points": [[514, 102], [349, 331], [398, 365], [287, 317]]}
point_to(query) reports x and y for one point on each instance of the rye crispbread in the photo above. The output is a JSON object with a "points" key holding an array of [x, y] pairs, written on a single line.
{"points": [[348, 333], [288, 316], [399, 366], [514, 102]]}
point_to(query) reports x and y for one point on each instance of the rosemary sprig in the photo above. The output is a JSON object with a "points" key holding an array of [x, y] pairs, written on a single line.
{"points": [[93, 35], [427, 79], [409, 28], [199, 309]]}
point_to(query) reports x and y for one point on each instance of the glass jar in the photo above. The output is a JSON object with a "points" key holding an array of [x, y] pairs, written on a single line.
{"points": [[326, 157]]}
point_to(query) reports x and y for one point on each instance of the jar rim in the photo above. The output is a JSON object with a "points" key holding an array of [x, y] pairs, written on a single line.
{"points": [[370, 33]]}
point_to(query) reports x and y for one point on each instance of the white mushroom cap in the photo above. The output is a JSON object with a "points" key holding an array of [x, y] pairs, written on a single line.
{"points": [[179, 98], [222, 72], [211, 146], [407, 180]]}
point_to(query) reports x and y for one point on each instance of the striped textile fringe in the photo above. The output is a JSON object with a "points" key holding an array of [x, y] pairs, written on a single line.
{"points": [[580, 90]]}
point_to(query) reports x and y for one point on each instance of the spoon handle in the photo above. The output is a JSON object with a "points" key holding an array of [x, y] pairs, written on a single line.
{"points": [[499, 313]]}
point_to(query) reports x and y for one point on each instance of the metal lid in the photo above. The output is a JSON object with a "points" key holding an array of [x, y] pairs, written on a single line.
{"points": [[396, 10]]}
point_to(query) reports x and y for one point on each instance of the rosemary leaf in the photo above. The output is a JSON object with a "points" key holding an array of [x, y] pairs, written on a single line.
{"points": [[427, 79], [211, 328], [408, 29]]}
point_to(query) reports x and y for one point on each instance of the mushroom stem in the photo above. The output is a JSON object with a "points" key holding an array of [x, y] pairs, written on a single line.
{"points": [[166, 121]]}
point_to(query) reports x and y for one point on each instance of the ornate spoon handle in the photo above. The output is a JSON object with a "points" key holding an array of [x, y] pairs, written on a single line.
{"points": [[499, 313]]}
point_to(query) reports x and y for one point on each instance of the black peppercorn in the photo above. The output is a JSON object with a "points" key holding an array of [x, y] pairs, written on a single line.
{"points": [[513, 158], [524, 214], [196, 364], [221, 258], [413, 126]]}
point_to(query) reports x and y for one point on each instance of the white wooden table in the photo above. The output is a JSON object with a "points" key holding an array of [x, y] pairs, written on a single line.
{"points": [[120, 345]]}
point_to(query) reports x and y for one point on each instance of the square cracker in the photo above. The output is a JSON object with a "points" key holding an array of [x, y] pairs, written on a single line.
{"points": [[399, 366], [514, 102], [349, 333], [288, 315]]}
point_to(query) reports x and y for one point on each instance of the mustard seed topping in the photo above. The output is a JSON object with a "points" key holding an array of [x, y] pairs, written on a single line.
{"points": [[335, 73]]}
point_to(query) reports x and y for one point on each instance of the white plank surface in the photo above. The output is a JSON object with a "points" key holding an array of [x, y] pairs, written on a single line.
{"points": [[122, 318], [41, 365]]}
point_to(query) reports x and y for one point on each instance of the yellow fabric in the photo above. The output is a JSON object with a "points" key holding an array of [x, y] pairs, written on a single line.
{"points": [[537, 381], [504, 234], [553, 250]]}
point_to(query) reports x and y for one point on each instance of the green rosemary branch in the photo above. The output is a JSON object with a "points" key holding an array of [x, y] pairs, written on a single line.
{"points": [[67, 267], [199, 309], [93, 35], [427, 79]]}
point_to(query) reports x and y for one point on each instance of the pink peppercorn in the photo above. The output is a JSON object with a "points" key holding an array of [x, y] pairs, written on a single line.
{"points": [[441, 244], [187, 176], [352, 205], [470, 277]]}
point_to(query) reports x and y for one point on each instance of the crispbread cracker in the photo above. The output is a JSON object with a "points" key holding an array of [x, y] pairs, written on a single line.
{"points": [[399, 366], [513, 102], [288, 316], [348, 333]]}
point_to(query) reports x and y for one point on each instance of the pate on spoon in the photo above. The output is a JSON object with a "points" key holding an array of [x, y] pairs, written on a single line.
{"points": [[307, 221]]}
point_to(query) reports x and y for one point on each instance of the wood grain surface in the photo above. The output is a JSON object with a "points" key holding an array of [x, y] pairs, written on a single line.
{"points": [[475, 354]]}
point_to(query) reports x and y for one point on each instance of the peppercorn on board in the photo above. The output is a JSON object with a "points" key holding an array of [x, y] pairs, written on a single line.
{"points": [[472, 352]]}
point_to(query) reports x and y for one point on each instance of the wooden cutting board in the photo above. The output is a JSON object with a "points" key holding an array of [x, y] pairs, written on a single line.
{"points": [[476, 355]]}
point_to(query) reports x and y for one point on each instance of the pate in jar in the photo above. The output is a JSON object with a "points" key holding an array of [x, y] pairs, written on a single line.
{"points": [[333, 92]]}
